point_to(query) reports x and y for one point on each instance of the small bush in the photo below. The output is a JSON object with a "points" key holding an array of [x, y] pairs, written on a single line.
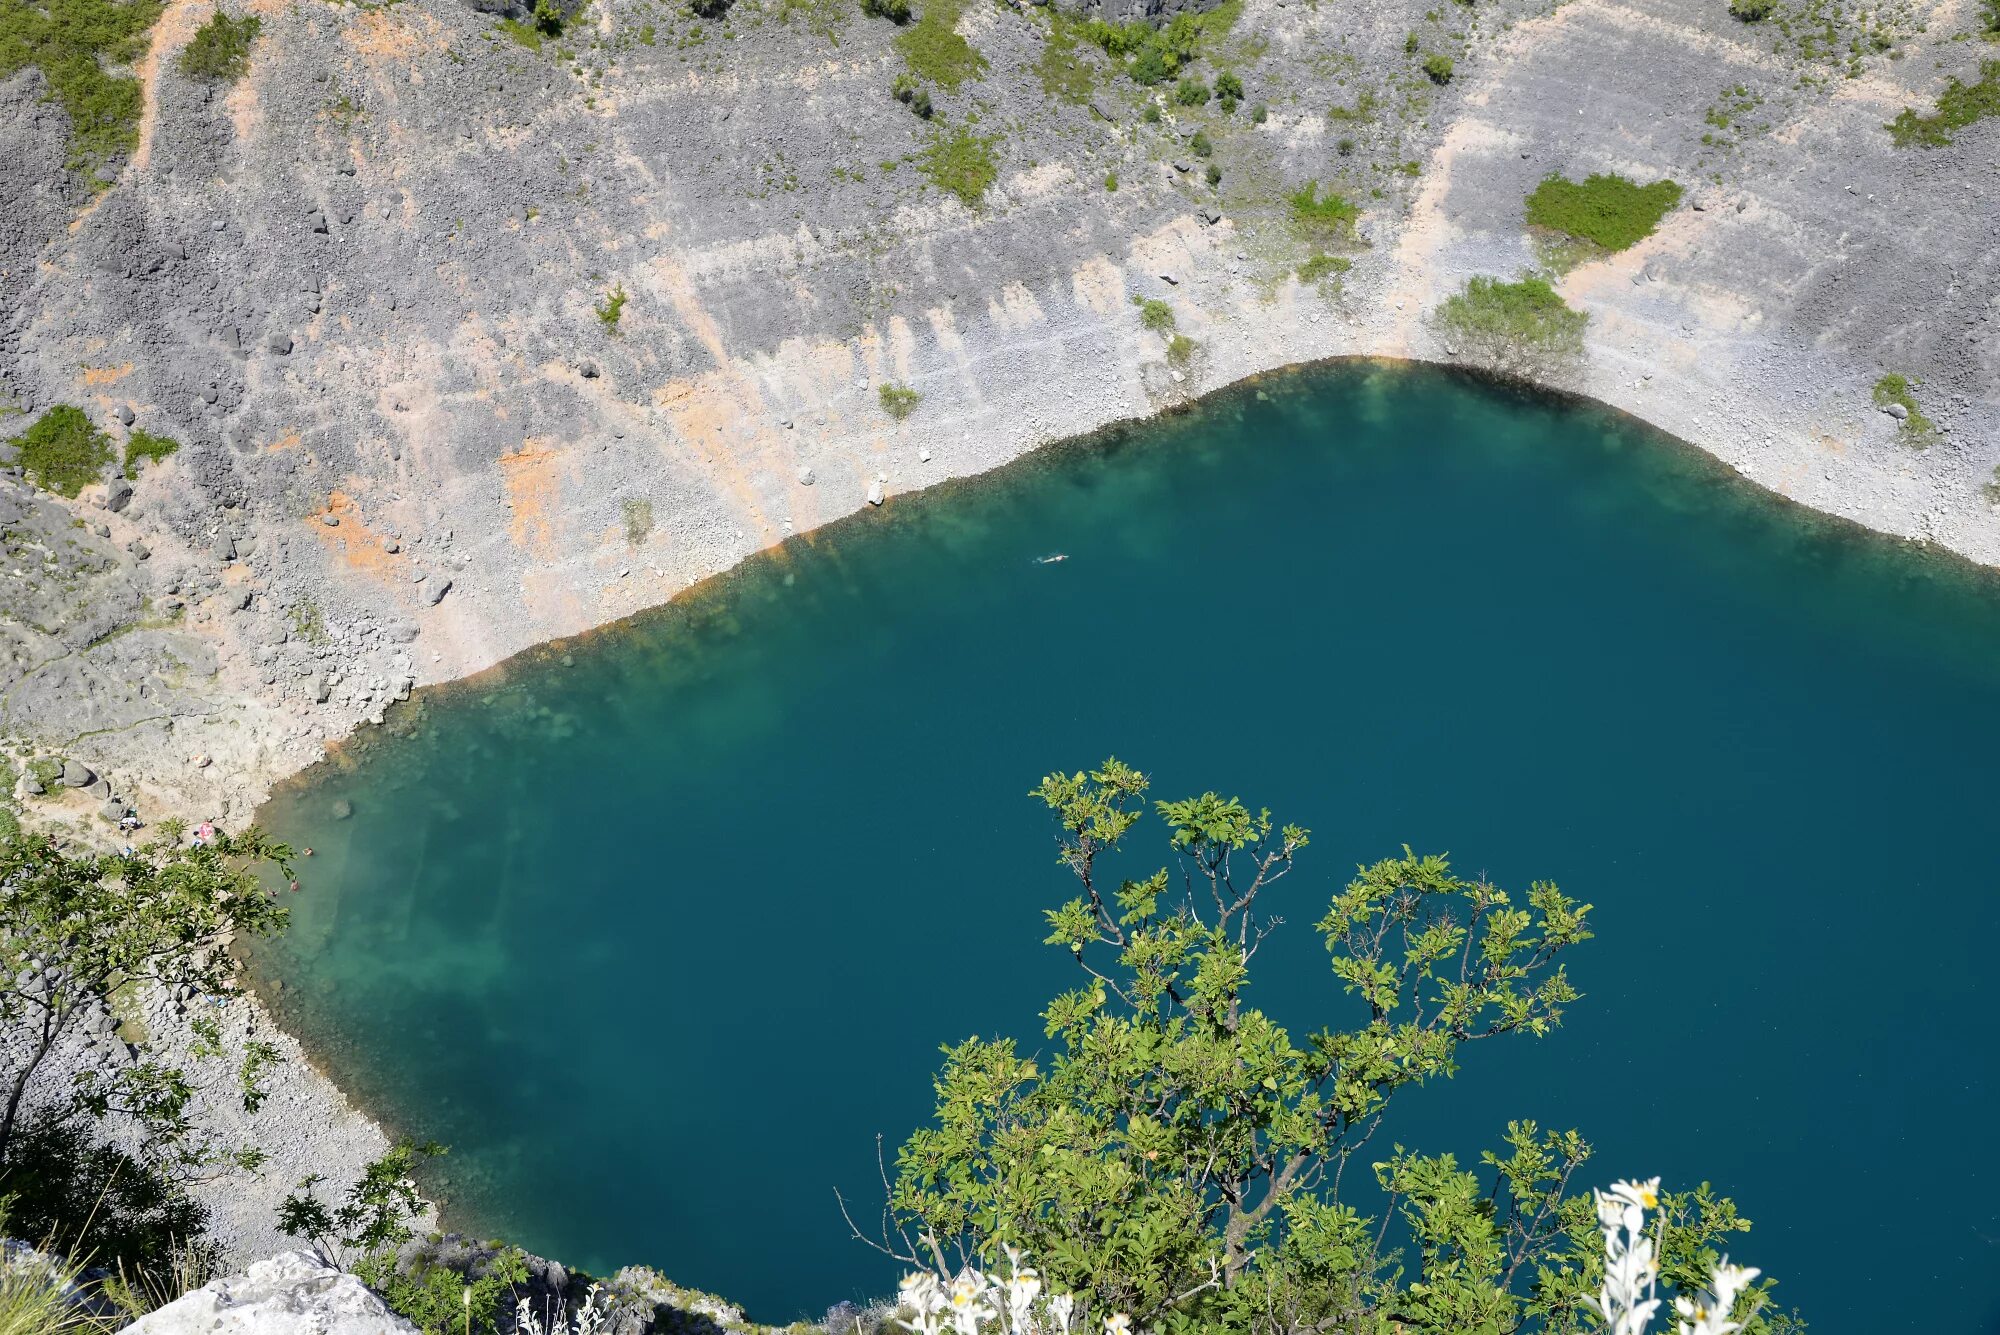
{"points": [[1411, 44], [899, 401], [912, 95], [1438, 69], [1154, 314], [62, 452], [1180, 350], [1609, 211], [1752, 11], [1959, 105], [142, 445], [1213, 175], [1229, 90], [220, 49], [935, 52], [1111, 182], [1191, 93], [1508, 321], [1345, 147], [701, 9], [896, 11], [1259, 114], [1330, 215], [1322, 269], [1362, 110], [612, 310], [638, 513], [1151, 115], [1900, 390], [1201, 146], [960, 162], [47, 771], [437, 1299]]}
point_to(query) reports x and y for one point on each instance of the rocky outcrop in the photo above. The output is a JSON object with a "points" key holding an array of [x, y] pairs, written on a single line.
{"points": [[289, 1294]]}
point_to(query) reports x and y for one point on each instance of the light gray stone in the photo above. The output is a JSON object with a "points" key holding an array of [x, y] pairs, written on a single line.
{"points": [[289, 1294]]}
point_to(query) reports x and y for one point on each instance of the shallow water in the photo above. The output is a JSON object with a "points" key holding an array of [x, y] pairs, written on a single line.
{"points": [[659, 935]]}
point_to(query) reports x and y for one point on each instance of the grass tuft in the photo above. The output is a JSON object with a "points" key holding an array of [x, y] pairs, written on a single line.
{"points": [[1959, 105], [1508, 321], [933, 49], [899, 401], [961, 162], [62, 451], [1899, 390], [77, 44], [144, 445], [220, 49]]}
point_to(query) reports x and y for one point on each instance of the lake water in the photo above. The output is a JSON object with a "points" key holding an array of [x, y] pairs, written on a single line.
{"points": [[658, 930]]}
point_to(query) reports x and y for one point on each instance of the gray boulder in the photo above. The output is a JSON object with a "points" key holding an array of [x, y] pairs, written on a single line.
{"points": [[76, 774], [289, 1294]]}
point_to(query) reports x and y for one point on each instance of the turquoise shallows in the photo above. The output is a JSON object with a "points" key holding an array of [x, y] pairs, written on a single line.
{"points": [[660, 937]]}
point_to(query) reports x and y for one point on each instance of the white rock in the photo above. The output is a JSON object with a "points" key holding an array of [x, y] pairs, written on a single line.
{"points": [[875, 492], [289, 1294]]}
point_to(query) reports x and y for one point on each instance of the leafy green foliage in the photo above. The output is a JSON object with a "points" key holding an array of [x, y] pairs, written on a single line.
{"points": [[1900, 391], [76, 929], [1153, 55], [1154, 314], [1438, 68], [912, 94], [374, 1216], [1191, 92], [612, 309], [1330, 215], [935, 52], [83, 1198], [1180, 350], [1201, 145], [1609, 211], [1752, 11], [960, 162], [896, 11], [1363, 109], [1324, 271], [1528, 316], [899, 401], [144, 446], [1178, 1156], [1228, 91], [1959, 105], [62, 451], [77, 44], [219, 52], [437, 1299]]}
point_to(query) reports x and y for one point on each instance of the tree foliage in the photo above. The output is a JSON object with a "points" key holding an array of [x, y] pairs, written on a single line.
{"points": [[1177, 1155], [372, 1218]]}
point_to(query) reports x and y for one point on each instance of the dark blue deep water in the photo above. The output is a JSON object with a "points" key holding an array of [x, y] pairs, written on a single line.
{"points": [[659, 929]]}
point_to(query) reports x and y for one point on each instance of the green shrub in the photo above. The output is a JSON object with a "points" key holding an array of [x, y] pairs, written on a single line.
{"points": [[1362, 110], [1229, 90], [912, 95], [1438, 69], [1159, 54], [1959, 105], [47, 771], [701, 9], [1752, 11], [1989, 19], [1526, 317], [1324, 268], [1154, 314], [960, 162], [1213, 175], [74, 43], [1900, 390], [638, 512], [437, 1299], [62, 451], [1259, 113], [144, 445], [1410, 44], [896, 11], [1180, 350], [1151, 115], [220, 49], [935, 52], [1328, 215], [1609, 211], [899, 401], [612, 310], [1111, 182], [1191, 93], [1201, 146], [1344, 146]]}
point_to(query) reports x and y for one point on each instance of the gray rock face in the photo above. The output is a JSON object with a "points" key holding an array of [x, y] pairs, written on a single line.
{"points": [[76, 774], [290, 1294]]}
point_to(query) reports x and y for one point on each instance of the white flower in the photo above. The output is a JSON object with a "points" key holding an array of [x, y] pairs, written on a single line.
{"points": [[1709, 1313], [1118, 1324], [1021, 1290], [920, 1292], [969, 1303], [1061, 1308]]}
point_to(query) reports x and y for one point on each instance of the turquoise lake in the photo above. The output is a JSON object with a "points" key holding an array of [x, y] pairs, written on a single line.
{"points": [[659, 929]]}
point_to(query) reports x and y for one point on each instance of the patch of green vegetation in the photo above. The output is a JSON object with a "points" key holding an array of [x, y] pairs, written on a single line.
{"points": [[1111, 182], [1259, 113], [1362, 110], [1228, 92], [1959, 105], [1154, 314], [899, 401], [612, 310], [912, 95], [1324, 272], [638, 513], [1180, 350], [961, 162], [896, 11], [1438, 69], [544, 23], [220, 49], [1610, 212], [62, 451], [308, 621], [1527, 316], [1989, 19], [76, 44], [821, 17], [1191, 92], [934, 51], [1201, 145], [47, 771], [1062, 68], [1900, 391], [437, 1299], [1752, 11], [1153, 55], [144, 445], [1330, 215]]}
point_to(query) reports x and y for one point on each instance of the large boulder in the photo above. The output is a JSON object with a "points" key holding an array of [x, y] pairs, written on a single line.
{"points": [[290, 1294]]}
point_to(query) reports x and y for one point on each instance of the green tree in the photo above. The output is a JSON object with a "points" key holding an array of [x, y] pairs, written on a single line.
{"points": [[1178, 1156], [375, 1216], [77, 929]]}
